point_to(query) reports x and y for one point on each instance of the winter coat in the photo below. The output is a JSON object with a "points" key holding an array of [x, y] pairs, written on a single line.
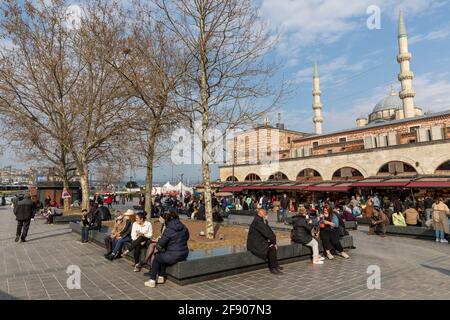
{"points": [[23, 209], [301, 232], [398, 219], [260, 237], [104, 213], [126, 232], [440, 217], [174, 242]]}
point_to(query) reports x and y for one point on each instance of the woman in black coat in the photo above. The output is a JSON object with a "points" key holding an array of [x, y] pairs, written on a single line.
{"points": [[171, 248], [302, 234]]}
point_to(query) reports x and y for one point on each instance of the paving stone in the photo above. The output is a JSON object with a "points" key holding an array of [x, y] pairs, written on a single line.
{"points": [[410, 269]]}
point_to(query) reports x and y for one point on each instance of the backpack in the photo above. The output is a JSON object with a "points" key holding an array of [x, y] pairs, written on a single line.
{"points": [[398, 219]]}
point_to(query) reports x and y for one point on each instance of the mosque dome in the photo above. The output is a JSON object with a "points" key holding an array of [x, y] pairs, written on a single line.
{"points": [[390, 102], [385, 109]]}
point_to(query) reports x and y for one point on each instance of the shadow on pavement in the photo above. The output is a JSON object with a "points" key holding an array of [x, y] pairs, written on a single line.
{"points": [[49, 236], [6, 296], [441, 270]]}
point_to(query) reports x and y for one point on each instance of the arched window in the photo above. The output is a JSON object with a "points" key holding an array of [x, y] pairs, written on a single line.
{"points": [[308, 175], [444, 168], [232, 178], [252, 177], [397, 168], [278, 176], [347, 173]]}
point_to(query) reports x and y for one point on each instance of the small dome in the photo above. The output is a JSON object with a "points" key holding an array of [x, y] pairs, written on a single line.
{"points": [[390, 102]]}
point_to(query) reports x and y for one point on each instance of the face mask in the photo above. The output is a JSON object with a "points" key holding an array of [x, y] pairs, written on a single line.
{"points": [[307, 216], [326, 215], [161, 220]]}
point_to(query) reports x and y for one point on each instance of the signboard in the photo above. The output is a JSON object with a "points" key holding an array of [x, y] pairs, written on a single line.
{"points": [[65, 194]]}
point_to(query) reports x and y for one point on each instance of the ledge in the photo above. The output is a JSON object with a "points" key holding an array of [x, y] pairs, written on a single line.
{"points": [[196, 269]]}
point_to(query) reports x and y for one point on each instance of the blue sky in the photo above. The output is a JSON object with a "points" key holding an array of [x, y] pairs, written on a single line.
{"points": [[356, 64]]}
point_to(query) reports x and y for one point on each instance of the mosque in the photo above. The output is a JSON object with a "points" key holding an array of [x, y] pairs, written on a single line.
{"points": [[395, 141]]}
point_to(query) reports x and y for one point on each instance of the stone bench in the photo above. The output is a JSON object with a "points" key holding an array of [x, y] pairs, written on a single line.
{"points": [[199, 268], [66, 219]]}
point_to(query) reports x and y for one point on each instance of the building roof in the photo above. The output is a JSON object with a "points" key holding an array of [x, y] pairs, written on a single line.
{"points": [[376, 125]]}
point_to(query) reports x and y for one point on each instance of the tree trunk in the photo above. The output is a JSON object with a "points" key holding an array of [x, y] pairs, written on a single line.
{"points": [[67, 200], [84, 181], [205, 129], [149, 175]]}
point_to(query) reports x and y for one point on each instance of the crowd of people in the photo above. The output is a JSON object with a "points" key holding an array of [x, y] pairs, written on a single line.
{"points": [[134, 231]]}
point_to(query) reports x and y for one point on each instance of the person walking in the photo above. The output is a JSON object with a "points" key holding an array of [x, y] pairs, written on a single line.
{"points": [[23, 210], [284, 204], [440, 220], [428, 206], [262, 241]]}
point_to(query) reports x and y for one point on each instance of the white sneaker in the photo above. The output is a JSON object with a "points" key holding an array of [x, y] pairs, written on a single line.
{"points": [[444, 241], [160, 280], [437, 240], [150, 283], [318, 262], [321, 258]]}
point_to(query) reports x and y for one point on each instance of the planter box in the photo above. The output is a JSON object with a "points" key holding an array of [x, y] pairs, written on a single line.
{"points": [[199, 267]]}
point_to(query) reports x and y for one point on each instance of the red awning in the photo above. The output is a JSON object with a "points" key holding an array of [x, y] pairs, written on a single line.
{"points": [[381, 184], [232, 189], [429, 184], [329, 188]]}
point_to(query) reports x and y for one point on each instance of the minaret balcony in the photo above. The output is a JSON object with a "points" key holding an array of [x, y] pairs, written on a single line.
{"points": [[405, 56], [404, 75], [316, 92], [407, 93], [318, 120], [317, 106]]}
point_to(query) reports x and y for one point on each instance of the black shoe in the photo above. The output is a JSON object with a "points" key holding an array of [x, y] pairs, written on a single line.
{"points": [[276, 271], [280, 268], [17, 239], [23, 240], [106, 255]]}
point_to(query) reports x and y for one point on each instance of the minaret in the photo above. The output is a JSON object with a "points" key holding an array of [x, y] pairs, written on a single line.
{"points": [[405, 76], [317, 106]]}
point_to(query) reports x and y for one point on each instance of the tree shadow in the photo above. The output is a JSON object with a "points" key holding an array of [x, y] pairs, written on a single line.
{"points": [[441, 270], [50, 236]]}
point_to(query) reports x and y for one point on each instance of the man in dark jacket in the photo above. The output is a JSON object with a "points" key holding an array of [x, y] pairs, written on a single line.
{"points": [[284, 204], [262, 241], [23, 210], [103, 212]]}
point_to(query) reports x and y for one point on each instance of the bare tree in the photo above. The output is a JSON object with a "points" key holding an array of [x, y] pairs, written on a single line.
{"points": [[228, 76], [153, 66], [37, 72], [56, 78]]}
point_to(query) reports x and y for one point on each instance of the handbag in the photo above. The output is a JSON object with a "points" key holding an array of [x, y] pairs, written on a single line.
{"points": [[429, 223]]}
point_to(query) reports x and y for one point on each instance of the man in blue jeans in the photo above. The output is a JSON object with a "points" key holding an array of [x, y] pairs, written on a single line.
{"points": [[91, 221], [284, 204]]}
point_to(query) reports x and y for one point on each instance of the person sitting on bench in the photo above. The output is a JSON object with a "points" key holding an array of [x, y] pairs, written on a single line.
{"points": [[262, 241], [141, 233], [302, 233], [171, 248], [124, 236]]}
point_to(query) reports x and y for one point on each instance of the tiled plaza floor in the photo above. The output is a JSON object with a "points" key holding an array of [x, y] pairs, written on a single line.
{"points": [[410, 269]]}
